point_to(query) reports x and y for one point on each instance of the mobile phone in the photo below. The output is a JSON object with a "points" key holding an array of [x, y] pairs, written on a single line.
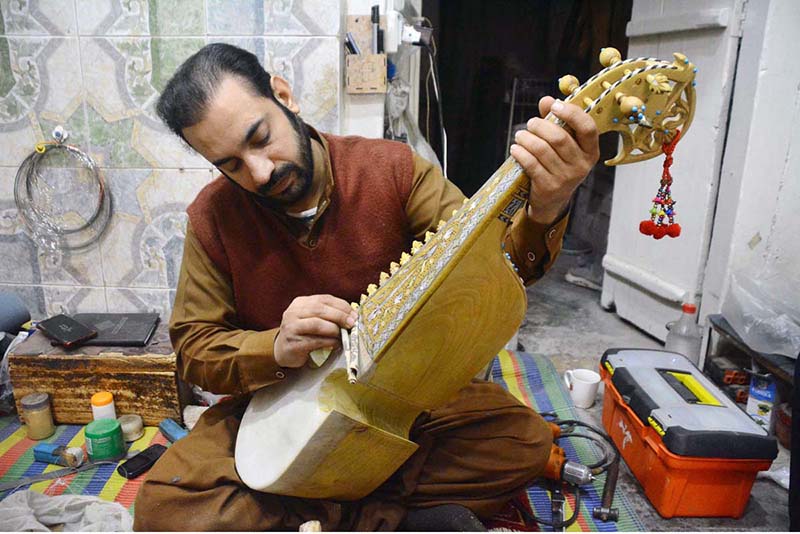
{"points": [[66, 331], [140, 463]]}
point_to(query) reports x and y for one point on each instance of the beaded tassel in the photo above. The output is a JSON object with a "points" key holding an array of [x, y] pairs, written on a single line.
{"points": [[663, 204]]}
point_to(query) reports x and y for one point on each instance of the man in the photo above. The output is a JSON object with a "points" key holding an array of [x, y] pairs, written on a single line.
{"points": [[298, 226]]}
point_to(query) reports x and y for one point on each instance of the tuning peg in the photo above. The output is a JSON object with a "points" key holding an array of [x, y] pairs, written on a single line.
{"points": [[568, 84], [454, 213], [354, 306], [465, 201], [415, 246], [363, 299], [371, 289], [609, 55], [428, 236], [383, 278], [394, 267], [629, 105], [587, 101], [404, 257], [440, 225]]}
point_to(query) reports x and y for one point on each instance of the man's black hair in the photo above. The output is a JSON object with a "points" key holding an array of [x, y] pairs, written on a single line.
{"points": [[187, 94]]}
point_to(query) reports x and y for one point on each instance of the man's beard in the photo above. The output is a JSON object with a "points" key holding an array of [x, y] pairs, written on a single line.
{"points": [[301, 175]]}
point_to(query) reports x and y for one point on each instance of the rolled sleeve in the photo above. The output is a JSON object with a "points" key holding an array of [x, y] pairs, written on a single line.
{"points": [[534, 247]]}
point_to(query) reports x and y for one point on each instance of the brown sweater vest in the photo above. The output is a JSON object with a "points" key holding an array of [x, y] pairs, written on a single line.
{"points": [[363, 229]]}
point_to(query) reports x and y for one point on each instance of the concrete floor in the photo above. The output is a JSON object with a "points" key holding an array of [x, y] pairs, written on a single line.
{"points": [[566, 323]]}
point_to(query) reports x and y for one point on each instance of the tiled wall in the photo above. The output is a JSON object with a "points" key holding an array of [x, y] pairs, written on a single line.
{"points": [[97, 67]]}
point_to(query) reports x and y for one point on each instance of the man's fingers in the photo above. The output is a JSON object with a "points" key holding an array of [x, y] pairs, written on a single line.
{"points": [[581, 123], [545, 103], [551, 145], [334, 302], [330, 308], [315, 326], [527, 161]]}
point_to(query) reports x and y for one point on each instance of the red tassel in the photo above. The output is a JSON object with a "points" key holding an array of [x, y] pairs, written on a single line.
{"points": [[646, 227], [674, 230], [659, 232]]}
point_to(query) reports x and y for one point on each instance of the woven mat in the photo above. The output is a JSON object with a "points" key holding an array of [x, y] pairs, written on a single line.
{"points": [[16, 462], [533, 380]]}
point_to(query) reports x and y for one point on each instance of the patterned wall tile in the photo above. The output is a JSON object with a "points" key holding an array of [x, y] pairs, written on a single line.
{"points": [[124, 77], [144, 246], [18, 260], [73, 299], [301, 17], [140, 300], [37, 17], [103, 89], [235, 17], [310, 65], [39, 87], [141, 17], [177, 17], [31, 296], [22, 261], [273, 17]]}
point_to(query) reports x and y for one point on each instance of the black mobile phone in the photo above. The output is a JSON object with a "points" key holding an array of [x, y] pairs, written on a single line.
{"points": [[65, 330], [140, 463]]}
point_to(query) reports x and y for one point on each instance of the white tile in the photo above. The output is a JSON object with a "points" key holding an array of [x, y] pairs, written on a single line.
{"points": [[42, 17], [140, 300], [144, 245], [74, 299]]}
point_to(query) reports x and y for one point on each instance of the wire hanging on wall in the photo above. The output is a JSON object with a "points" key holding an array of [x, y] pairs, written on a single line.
{"points": [[61, 197]]}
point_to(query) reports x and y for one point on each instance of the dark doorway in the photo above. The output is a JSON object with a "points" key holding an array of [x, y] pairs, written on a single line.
{"points": [[482, 46]]}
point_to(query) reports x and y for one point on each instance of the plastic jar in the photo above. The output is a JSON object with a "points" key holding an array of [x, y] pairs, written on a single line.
{"points": [[37, 415], [104, 440], [103, 406]]}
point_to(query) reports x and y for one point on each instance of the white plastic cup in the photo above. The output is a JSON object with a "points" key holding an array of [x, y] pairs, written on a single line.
{"points": [[582, 385]]}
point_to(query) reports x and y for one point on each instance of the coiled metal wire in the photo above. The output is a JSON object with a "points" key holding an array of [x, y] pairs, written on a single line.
{"points": [[61, 197]]}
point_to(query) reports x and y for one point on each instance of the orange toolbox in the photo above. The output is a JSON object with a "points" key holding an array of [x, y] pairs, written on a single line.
{"points": [[693, 450]]}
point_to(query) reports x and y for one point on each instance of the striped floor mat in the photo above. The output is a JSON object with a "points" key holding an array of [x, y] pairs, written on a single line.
{"points": [[16, 462], [533, 380], [530, 378]]}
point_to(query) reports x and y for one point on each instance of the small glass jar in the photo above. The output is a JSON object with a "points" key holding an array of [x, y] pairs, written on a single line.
{"points": [[103, 406], [37, 415]]}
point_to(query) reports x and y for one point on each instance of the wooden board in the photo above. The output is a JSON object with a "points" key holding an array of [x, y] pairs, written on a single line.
{"points": [[143, 380]]}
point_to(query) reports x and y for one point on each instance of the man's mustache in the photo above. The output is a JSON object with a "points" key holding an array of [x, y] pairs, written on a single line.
{"points": [[278, 177]]}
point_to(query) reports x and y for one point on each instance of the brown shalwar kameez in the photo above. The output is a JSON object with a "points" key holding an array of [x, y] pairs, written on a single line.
{"points": [[478, 450]]}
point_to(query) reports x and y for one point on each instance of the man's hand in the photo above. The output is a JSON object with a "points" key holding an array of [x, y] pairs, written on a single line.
{"points": [[555, 161], [311, 323]]}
